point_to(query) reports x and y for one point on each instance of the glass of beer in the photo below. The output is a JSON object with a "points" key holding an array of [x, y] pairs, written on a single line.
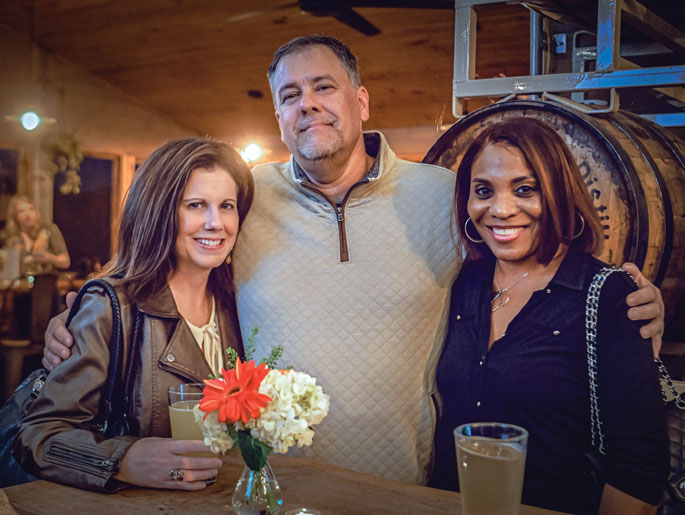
{"points": [[182, 400], [490, 461]]}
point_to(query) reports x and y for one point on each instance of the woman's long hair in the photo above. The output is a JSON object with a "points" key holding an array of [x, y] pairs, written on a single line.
{"points": [[12, 231], [564, 194], [149, 222]]}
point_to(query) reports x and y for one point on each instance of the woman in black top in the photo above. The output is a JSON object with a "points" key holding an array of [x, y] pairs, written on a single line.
{"points": [[516, 350]]}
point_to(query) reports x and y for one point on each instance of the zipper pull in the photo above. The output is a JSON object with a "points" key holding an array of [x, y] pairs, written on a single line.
{"points": [[108, 464], [340, 213]]}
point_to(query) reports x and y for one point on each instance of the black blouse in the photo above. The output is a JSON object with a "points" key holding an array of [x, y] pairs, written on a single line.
{"points": [[536, 377]]}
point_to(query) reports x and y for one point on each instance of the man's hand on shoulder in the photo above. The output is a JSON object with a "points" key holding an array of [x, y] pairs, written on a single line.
{"points": [[58, 339], [646, 304]]}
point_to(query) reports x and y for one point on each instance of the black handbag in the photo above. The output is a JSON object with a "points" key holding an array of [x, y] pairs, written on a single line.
{"points": [[673, 502], [113, 413]]}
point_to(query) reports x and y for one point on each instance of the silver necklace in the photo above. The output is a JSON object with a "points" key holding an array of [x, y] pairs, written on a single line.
{"points": [[501, 297]]}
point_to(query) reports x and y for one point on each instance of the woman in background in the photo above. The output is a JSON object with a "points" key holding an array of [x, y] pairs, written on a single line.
{"points": [[179, 224], [516, 348], [41, 244]]}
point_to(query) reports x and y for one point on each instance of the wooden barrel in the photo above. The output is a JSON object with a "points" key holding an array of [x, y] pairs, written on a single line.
{"points": [[635, 172]]}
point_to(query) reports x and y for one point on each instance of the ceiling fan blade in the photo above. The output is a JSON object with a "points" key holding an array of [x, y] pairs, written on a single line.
{"points": [[404, 4], [355, 20], [342, 10]]}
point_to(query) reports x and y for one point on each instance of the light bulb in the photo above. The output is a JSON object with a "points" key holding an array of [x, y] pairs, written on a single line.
{"points": [[29, 120], [251, 152]]}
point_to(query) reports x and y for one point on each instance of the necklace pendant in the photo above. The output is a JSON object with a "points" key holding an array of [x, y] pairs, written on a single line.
{"points": [[498, 301], [501, 297]]}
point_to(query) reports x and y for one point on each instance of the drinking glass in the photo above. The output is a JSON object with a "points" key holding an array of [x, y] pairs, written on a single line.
{"points": [[490, 461], [182, 400]]}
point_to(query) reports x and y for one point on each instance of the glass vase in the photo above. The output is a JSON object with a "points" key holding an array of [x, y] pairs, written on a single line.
{"points": [[257, 492]]}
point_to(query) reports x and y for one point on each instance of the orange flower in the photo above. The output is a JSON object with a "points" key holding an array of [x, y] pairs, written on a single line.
{"points": [[236, 397]]}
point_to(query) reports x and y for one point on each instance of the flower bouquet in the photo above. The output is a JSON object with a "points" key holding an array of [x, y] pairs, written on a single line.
{"points": [[260, 410]]}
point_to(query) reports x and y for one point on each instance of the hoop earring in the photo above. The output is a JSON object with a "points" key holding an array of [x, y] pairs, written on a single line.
{"points": [[582, 227], [466, 231]]}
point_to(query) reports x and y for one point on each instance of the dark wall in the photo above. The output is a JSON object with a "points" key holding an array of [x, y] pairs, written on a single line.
{"points": [[9, 165], [85, 219]]}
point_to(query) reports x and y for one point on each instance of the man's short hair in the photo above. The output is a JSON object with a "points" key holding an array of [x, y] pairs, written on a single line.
{"points": [[342, 51]]}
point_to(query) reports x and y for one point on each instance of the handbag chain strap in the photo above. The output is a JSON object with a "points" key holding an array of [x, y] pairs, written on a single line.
{"points": [[591, 310], [679, 401]]}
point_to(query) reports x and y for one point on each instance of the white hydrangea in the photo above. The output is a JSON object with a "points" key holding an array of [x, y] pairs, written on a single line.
{"points": [[297, 403], [215, 432]]}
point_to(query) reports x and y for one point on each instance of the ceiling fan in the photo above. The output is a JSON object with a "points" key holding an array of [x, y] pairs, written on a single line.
{"points": [[343, 10]]}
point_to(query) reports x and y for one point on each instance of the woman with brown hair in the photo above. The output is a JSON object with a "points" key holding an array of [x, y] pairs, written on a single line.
{"points": [[179, 224], [516, 348], [41, 244]]}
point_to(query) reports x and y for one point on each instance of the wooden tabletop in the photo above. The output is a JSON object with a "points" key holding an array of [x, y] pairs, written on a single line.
{"points": [[304, 483]]}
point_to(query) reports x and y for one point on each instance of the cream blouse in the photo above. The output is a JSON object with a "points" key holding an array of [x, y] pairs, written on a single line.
{"points": [[209, 340]]}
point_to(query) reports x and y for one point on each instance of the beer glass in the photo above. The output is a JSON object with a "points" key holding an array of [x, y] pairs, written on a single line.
{"points": [[490, 461], [182, 400]]}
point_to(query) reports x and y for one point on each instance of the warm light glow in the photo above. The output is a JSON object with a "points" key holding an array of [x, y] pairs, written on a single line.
{"points": [[29, 120], [251, 152]]}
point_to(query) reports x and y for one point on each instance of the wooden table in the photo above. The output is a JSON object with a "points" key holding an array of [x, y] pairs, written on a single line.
{"points": [[329, 489]]}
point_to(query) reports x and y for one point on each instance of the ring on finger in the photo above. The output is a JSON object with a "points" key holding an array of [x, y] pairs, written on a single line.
{"points": [[176, 474]]}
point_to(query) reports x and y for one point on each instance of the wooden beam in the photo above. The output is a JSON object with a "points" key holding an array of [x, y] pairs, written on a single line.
{"points": [[638, 16]]}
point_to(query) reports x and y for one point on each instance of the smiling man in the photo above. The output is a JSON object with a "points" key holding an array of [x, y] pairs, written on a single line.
{"points": [[320, 108], [347, 259]]}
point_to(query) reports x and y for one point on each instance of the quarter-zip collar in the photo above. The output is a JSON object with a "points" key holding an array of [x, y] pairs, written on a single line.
{"points": [[373, 145], [376, 147]]}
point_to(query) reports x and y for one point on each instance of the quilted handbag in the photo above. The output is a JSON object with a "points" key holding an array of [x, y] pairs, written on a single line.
{"points": [[112, 418], [673, 502]]}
